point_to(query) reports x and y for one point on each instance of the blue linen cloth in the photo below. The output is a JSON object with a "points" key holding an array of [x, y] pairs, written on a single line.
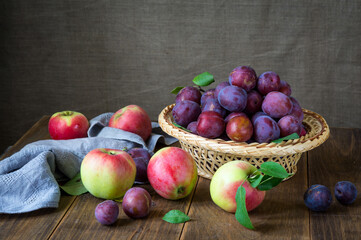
{"points": [[28, 178]]}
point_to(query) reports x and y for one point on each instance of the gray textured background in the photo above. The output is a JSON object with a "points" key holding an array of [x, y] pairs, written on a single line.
{"points": [[98, 56]]}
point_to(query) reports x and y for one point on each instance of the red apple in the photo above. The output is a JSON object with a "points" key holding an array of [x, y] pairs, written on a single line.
{"points": [[68, 125], [107, 173], [227, 179], [172, 173], [132, 118]]}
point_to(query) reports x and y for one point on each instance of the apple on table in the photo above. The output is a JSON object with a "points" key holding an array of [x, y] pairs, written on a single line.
{"points": [[172, 173], [68, 125], [107, 173], [226, 181], [132, 118]]}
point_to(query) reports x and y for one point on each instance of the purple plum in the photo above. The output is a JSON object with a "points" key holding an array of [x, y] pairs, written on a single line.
{"points": [[256, 115], [185, 112], [285, 88], [345, 192], [213, 105], [137, 203], [244, 77], [239, 128], [265, 129], [193, 127], [210, 125], [139, 152], [107, 212], [318, 198], [277, 105], [209, 94], [268, 82], [220, 86], [296, 110], [288, 125], [189, 93], [254, 102], [232, 98], [232, 115]]}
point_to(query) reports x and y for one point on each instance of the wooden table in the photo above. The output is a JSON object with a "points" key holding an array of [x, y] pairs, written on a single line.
{"points": [[282, 215]]}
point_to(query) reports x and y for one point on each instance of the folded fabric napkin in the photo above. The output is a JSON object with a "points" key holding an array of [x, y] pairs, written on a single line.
{"points": [[28, 178]]}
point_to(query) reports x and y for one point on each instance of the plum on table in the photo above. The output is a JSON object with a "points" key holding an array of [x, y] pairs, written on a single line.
{"points": [[345, 192], [318, 198]]}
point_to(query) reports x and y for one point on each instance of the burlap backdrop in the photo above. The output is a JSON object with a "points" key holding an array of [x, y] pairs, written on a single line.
{"points": [[98, 56]]}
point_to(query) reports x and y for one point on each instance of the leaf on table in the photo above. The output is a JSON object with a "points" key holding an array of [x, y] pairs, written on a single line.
{"points": [[274, 169], [176, 216], [241, 212], [203, 79], [268, 183], [74, 186], [176, 90], [289, 137]]}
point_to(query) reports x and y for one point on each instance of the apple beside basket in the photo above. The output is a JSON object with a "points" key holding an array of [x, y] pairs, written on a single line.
{"points": [[210, 154]]}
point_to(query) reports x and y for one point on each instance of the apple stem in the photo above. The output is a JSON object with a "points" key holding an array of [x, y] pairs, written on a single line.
{"points": [[253, 174], [68, 113]]}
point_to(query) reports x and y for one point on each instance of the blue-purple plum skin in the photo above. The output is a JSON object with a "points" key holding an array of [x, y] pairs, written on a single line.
{"points": [[318, 198]]}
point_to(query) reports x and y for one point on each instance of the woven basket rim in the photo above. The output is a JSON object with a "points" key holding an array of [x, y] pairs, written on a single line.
{"points": [[303, 144]]}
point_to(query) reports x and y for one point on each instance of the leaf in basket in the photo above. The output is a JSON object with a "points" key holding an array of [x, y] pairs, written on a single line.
{"points": [[241, 212], [289, 137], [176, 216], [203, 79], [74, 186], [274, 169], [268, 182], [179, 126], [176, 90]]}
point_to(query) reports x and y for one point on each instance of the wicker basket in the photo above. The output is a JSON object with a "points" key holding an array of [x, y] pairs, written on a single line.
{"points": [[210, 154]]}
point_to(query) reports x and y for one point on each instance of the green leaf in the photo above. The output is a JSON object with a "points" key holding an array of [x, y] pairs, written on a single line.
{"points": [[176, 90], [203, 79], [274, 169], [179, 126], [241, 212], [175, 216], [289, 137], [269, 182], [74, 186], [255, 180]]}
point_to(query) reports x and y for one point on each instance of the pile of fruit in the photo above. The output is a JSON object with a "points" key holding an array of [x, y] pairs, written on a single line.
{"points": [[111, 173], [246, 108]]}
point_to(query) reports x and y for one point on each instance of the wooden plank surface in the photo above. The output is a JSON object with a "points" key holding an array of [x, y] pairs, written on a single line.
{"points": [[80, 223], [41, 223], [338, 159], [282, 215]]}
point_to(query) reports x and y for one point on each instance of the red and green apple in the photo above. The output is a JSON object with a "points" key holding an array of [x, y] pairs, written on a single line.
{"points": [[226, 181], [172, 173], [108, 173]]}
